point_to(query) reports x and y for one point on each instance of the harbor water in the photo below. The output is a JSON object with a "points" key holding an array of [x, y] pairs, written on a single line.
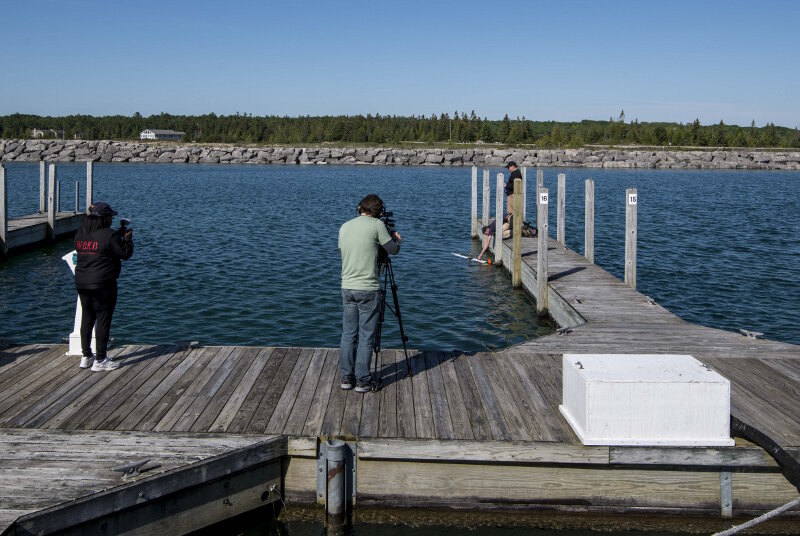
{"points": [[247, 255]]}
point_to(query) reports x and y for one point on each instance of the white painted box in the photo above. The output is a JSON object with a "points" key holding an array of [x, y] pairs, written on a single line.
{"points": [[645, 399]]}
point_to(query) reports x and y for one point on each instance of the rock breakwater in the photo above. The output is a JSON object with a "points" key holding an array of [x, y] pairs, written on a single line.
{"points": [[121, 151]]}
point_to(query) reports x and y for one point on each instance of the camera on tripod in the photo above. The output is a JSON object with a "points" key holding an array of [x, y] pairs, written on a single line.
{"points": [[387, 219]]}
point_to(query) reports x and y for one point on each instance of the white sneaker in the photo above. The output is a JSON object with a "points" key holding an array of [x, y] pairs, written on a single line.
{"points": [[106, 364], [86, 361]]}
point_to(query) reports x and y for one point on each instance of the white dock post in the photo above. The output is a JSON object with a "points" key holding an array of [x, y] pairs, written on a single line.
{"points": [[588, 247], [89, 179], [486, 197], [474, 212], [3, 212], [51, 202], [562, 218], [516, 235], [42, 187], [498, 220], [542, 298], [75, 337], [630, 237], [77, 194]]}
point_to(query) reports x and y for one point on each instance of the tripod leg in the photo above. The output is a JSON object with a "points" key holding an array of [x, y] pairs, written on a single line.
{"points": [[399, 317]]}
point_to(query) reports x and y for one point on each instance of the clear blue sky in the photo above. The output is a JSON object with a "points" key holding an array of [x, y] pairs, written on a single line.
{"points": [[546, 60]]}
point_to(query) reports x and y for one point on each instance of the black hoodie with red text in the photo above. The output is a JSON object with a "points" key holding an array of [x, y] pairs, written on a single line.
{"points": [[99, 256]]}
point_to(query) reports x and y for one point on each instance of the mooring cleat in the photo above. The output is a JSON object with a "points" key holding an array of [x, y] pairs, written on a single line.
{"points": [[564, 331], [751, 334]]}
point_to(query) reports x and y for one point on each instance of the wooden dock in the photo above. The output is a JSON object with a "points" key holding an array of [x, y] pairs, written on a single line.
{"points": [[47, 224]]}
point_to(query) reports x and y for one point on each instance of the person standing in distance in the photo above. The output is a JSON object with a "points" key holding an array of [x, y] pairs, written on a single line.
{"points": [[100, 251], [514, 173], [359, 240]]}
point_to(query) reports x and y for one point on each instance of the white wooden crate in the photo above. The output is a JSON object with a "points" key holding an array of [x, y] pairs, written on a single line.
{"points": [[649, 399]]}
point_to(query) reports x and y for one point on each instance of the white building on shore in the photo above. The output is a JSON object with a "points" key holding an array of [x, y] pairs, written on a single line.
{"points": [[161, 135]]}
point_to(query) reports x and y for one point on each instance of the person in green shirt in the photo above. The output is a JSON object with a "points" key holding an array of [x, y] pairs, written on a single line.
{"points": [[359, 240]]}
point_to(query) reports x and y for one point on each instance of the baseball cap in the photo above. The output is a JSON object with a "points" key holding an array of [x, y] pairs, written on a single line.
{"points": [[512, 163], [101, 209]]}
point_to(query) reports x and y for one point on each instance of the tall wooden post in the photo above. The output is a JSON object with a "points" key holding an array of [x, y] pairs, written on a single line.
{"points": [[542, 298], [89, 180], [498, 220], [486, 197], [539, 184], [42, 187], [630, 237], [524, 194], [3, 211], [51, 202], [516, 234], [561, 216], [77, 195], [588, 233]]}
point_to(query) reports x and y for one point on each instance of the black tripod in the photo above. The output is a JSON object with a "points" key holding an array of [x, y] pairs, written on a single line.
{"points": [[386, 274]]}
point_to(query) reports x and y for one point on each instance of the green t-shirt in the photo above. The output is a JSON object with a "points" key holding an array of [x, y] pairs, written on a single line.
{"points": [[359, 240]]}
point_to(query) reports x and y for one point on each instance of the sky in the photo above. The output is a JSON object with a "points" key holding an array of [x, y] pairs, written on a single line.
{"points": [[567, 60]]}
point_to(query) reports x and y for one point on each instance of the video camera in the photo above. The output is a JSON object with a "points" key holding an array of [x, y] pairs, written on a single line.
{"points": [[124, 227], [387, 219]]}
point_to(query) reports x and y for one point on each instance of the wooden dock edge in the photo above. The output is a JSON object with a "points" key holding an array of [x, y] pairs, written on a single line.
{"points": [[560, 310], [178, 501], [552, 477]]}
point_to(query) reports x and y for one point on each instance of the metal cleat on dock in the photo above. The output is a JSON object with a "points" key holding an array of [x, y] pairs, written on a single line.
{"points": [[751, 334], [134, 468], [564, 331], [650, 301]]}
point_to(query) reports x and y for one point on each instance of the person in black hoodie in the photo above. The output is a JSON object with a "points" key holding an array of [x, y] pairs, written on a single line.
{"points": [[514, 174], [100, 251]]}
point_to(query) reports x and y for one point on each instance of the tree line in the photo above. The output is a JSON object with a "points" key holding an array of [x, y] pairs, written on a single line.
{"points": [[458, 128]]}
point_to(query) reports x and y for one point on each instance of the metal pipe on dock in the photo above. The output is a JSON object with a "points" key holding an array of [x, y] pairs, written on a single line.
{"points": [[335, 452], [89, 180], [58, 197], [77, 195]]}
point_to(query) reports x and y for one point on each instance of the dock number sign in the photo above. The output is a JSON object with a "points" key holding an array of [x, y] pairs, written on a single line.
{"points": [[631, 199], [542, 198]]}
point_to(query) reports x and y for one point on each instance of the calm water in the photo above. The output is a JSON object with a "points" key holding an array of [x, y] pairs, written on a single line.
{"points": [[247, 254]]}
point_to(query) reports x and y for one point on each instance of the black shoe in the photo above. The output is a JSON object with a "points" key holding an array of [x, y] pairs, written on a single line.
{"points": [[363, 387], [347, 383]]}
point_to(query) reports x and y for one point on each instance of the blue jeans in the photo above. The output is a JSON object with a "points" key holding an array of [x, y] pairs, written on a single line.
{"points": [[359, 327]]}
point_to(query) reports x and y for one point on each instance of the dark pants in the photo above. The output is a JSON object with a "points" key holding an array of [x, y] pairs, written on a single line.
{"points": [[98, 307]]}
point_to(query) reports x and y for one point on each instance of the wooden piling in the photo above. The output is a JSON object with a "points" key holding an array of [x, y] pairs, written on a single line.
{"points": [[516, 234], [630, 237], [588, 247], [539, 184], [42, 187], [473, 213], [524, 194], [77, 194], [498, 221], [542, 298], [3, 212], [486, 197], [89, 181], [51, 203], [561, 216]]}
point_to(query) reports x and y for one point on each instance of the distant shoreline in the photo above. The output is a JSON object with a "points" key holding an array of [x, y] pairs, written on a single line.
{"points": [[15, 150]]}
